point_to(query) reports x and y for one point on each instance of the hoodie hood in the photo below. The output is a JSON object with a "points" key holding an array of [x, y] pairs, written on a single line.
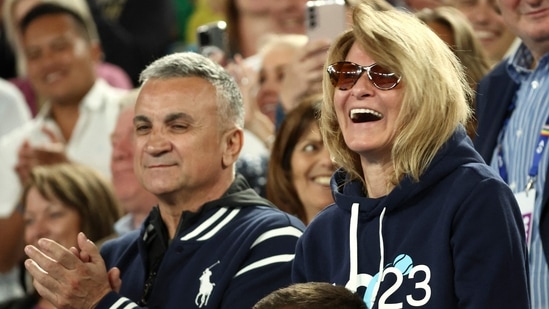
{"points": [[349, 196], [457, 151]]}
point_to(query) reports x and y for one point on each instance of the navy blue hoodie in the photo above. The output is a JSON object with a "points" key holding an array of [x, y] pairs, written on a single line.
{"points": [[455, 239]]}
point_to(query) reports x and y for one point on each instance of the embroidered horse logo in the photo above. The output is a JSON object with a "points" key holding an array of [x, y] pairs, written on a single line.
{"points": [[206, 287]]}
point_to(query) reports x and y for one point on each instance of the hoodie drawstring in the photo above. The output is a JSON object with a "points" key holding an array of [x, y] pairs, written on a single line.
{"points": [[382, 257], [353, 249], [353, 252]]}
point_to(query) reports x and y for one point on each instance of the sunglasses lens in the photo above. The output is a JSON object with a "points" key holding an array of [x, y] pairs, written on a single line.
{"points": [[344, 75], [383, 78]]}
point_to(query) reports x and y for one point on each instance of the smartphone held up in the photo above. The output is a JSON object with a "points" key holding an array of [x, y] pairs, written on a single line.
{"points": [[213, 42], [325, 19]]}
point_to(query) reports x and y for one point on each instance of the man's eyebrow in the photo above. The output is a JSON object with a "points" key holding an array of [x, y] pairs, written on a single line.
{"points": [[167, 119], [178, 116], [140, 118]]}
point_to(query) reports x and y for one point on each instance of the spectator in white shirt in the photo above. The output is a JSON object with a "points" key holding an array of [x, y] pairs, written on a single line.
{"points": [[13, 110], [80, 110]]}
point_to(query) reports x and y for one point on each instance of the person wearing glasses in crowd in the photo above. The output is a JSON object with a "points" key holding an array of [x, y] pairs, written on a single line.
{"points": [[419, 219]]}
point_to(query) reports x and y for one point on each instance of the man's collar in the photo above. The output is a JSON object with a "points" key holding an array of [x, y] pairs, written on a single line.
{"points": [[520, 63], [92, 100]]}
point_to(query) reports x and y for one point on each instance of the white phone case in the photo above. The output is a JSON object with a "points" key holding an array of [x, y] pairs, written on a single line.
{"points": [[325, 19]]}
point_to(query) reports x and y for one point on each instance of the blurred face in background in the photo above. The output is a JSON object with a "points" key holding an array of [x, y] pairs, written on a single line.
{"points": [[253, 6], [51, 219], [270, 79], [530, 21], [60, 61], [132, 196], [311, 171], [485, 16], [288, 16]]}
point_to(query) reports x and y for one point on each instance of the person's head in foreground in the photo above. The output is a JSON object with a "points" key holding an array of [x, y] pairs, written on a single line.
{"points": [[311, 295]]}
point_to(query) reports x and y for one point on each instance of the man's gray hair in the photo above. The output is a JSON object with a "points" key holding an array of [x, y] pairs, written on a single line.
{"points": [[190, 64]]}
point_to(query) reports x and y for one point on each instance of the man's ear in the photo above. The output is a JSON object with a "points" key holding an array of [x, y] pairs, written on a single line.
{"points": [[96, 51], [232, 140]]}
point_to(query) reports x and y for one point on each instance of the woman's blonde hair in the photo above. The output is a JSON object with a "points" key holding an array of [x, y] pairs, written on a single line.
{"points": [[435, 90]]}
